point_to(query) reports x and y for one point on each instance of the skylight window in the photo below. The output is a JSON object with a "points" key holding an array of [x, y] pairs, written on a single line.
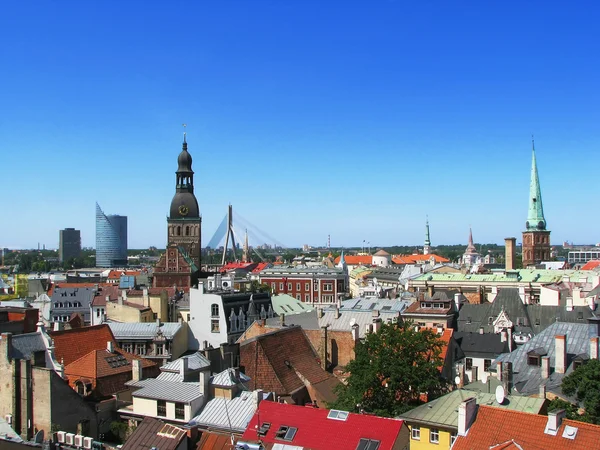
{"points": [[286, 433], [337, 415], [368, 444]]}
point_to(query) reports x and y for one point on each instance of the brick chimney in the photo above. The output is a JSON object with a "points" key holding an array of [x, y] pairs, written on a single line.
{"points": [[282, 319], [507, 377], [560, 357], [594, 347], [136, 370], [323, 354], [467, 411], [510, 245], [545, 367]]}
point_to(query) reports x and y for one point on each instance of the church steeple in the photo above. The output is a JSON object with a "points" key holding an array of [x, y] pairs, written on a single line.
{"points": [[427, 246], [535, 214]]}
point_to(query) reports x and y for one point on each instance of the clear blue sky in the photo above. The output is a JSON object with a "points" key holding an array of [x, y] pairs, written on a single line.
{"points": [[350, 118]]}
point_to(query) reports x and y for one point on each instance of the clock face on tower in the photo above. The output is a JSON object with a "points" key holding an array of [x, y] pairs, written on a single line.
{"points": [[184, 210]]}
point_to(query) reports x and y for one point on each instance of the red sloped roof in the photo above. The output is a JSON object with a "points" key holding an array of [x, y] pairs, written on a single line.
{"points": [[70, 345], [499, 428], [237, 265], [356, 260], [414, 259], [260, 267], [316, 431], [591, 265], [95, 365]]}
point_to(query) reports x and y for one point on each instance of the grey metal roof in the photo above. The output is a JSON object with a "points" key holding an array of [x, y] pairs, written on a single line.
{"points": [[222, 413], [196, 361], [475, 345], [443, 411], [542, 316], [227, 378], [70, 295], [472, 317], [286, 304], [377, 304], [138, 330], [25, 345], [527, 378], [169, 390]]}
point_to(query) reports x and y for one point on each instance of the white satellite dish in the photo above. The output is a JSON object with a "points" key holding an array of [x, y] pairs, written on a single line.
{"points": [[457, 380], [484, 377], [500, 395]]}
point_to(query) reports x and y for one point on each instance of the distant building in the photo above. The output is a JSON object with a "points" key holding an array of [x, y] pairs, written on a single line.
{"points": [[470, 257], [69, 244], [111, 239]]}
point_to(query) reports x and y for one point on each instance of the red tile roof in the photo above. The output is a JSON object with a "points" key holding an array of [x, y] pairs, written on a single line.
{"points": [[260, 267], [95, 364], [414, 259], [356, 260], [116, 274], [238, 265], [316, 431], [70, 345], [501, 428], [591, 265]]}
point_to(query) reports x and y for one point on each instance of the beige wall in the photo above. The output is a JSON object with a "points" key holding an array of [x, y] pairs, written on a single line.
{"points": [[125, 313], [179, 345]]}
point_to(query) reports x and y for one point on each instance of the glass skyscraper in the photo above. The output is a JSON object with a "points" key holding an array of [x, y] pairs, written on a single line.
{"points": [[111, 239]]}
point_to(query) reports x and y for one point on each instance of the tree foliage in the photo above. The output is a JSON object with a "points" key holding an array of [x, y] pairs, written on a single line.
{"points": [[392, 371], [584, 384]]}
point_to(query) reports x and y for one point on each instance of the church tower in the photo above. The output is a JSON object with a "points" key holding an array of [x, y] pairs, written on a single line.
{"points": [[184, 221], [536, 239], [427, 246]]}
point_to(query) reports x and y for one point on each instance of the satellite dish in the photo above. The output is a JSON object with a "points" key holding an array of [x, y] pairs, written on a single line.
{"points": [[457, 380], [500, 395], [484, 377]]}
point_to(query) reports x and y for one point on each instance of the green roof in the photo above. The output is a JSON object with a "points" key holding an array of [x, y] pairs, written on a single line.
{"points": [[521, 275], [443, 411], [286, 304]]}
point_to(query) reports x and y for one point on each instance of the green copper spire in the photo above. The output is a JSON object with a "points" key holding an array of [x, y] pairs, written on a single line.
{"points": [[535, 215], [427, 239]]}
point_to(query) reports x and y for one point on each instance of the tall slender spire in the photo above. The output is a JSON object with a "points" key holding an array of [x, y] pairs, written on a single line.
{"points": [[470, 246], [427, 246], [535, 214]]}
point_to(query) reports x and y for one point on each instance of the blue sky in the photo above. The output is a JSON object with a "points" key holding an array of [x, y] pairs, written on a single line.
{"points": [[352, 118]]}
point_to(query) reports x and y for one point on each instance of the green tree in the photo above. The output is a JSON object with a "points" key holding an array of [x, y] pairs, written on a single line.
{"points": [[570, 409], [584, 384], [394, 370]]}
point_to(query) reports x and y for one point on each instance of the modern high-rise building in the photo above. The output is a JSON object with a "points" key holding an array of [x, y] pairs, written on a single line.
{"points": [[536, 238], [69, 244], [111, 239]]}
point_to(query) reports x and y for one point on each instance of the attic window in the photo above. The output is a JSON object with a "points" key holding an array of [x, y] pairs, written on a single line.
{"points": [[468, 320], [264, 428], [368, 444], [534, 360], [579, 316], [286, 433], [337, 415], [490, 320]]}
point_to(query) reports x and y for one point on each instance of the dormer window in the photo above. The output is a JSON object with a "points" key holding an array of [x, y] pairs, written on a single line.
{"points": [[534, 357]]}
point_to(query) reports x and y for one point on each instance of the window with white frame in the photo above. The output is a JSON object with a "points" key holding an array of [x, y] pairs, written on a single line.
{"points": [[434, 436], [289, 286], [298, 286], [299, 297], [214, 310], [281, 286], [307, 297], [327, 287], [416, 433], [307, 287], [127, 347], [140, 349]]}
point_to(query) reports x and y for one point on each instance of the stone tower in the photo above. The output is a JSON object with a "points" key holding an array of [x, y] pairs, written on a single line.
{"points": [[184, 222], [536, 239]]}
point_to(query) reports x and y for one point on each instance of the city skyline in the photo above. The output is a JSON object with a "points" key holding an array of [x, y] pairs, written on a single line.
{"points": [[311, 120]]}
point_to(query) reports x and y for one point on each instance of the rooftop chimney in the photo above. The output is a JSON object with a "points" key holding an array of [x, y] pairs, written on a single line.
{"points": [[542, 393], [324, 347], [594, 347], [594, 323], [510, 244], [555, 419], [320, 313], [457, 298], [375, 313], [136, 370], [461, 375], [258, 396], [474, 374], [560, 357], [499, 370], [545, 367], [507, 377], [110, 347], [183, 368], [376, 325], [282, 319], [467, 411], [337, 312], [355, 333]]}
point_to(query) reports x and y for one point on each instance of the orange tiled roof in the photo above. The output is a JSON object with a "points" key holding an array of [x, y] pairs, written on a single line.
{"points": [[116, 274], [356, 260], [591, 265], [95, 365], [70, 345], [500, 428], [414, 259]]}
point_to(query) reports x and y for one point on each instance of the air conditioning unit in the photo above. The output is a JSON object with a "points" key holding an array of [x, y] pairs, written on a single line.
{"points": [[60, 436], [8, 419], [69, 438], [78, 440], [87, 443]]}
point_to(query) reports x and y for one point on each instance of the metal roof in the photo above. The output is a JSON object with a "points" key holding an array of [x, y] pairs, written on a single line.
{"points": [[376, 304], [227, 378], [195, 361], [527, 378], [521, 275], [234, 414], [444, 410], [25, 345], [138, 330], [286, 304], [169, 390]]}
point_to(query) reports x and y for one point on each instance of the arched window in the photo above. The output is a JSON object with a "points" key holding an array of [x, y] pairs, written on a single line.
{"points": [[187, 230], [214, 310], [178, 231]]}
